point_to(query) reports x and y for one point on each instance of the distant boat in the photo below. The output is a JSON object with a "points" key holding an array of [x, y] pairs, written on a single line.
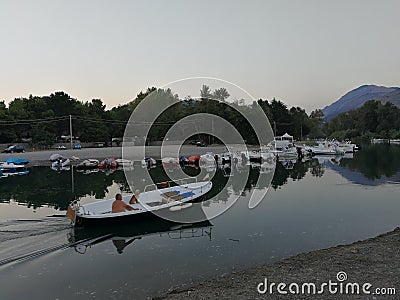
{"points": [[325, 148], [172, 198], [148, 162], [60, 163], [194, 159], [183, 160], [17, 161], [108, 163], [170, 162], [121, 162], [207, 160], [10, 169]]}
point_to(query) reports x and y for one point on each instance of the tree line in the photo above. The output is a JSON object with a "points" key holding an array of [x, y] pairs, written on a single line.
{"points": [[373, 119], [43, 119]]}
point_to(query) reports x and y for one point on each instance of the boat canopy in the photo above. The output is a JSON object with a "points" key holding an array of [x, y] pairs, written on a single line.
{"points": [[17, 161]]}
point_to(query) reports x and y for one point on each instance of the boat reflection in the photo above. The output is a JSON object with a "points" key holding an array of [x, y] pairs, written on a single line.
{"points": [[371, 166], [82, 239]]}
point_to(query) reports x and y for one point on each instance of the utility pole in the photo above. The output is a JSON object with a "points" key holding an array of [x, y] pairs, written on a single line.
{"points": [[70, 129], [274, 128], [301, 132]]}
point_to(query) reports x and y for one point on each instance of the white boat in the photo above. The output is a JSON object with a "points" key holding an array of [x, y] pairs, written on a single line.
{"points": [[60, 163], [325, 148], [347, 147], [267, 167], [251, 156], [148, 162], [88, 164], [121, 162], [207, 160], [224, 158], [170, 162], [172, 198], [9, 169]]}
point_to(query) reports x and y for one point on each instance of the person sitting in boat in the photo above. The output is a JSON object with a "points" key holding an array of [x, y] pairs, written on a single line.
{"points": [[120, 206], [135, 197]]}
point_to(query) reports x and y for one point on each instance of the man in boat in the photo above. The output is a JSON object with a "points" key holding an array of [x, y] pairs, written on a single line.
{"points": [[135, 197], [120, 206]]}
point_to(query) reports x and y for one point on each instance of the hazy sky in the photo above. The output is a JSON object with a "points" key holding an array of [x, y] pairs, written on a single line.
{"points": [[306, 53]]}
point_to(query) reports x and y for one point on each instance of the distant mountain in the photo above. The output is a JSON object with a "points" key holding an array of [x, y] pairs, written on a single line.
{"points": [[357, 97], [393, 97]]}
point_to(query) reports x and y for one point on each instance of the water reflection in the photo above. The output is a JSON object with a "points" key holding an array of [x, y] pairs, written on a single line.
{"points": [[82, 239], [373, 165]]}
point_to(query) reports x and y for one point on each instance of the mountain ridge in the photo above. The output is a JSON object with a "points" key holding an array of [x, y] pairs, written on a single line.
{"points": [[358, 96]]}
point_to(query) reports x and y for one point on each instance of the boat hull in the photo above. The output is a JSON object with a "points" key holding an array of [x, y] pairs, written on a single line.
{"points": [[193, 213]]}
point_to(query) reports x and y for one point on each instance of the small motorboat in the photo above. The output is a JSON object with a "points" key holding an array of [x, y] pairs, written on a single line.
{"points": [[207, 160], [17, 161], [121, 162], [170, 162], [194, 159], [10, 169], [58, 162], [88, 164], [183, 160], [148, 162], [151, 201], [325, 148], [108, 163], [61, 163]]}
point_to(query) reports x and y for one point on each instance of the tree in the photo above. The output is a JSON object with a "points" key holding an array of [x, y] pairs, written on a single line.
{"points": [[205, 92], [221, 94]]}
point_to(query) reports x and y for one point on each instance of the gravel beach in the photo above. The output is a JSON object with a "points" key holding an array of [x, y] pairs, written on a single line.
{"points": [[375, 261]]}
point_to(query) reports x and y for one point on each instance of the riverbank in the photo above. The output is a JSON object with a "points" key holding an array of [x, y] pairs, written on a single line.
{"points": [[375, 261]]}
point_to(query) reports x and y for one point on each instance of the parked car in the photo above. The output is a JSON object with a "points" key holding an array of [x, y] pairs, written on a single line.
{"points": [[61, 147], [201, 144], [14, 149], [99, 144], [77, 146]]}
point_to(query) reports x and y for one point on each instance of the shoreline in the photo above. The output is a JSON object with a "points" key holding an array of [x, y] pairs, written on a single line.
{"points": [[375, 261], [41, 158]]}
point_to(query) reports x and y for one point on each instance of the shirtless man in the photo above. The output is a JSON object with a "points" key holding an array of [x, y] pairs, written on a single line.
{"points": [[120, 206]]}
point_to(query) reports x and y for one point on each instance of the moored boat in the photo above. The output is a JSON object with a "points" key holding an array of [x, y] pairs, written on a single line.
{"points": [[194, 159], [149, 162], [10, 169], [17, 161], [121, 162], [88, 164], [207, 160], [108, 163]]}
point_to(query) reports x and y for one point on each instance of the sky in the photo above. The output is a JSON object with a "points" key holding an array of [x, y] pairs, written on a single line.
{"points": [[305, 53]]}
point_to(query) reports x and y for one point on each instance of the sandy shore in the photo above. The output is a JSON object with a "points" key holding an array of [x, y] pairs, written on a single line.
{"points": [[38, 158], [375, 261]]}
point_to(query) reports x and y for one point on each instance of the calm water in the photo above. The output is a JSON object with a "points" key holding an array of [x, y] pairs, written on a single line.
{"points": [[312, 205]]}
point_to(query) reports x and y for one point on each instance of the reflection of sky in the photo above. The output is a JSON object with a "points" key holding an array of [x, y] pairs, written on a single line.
{"points": [[14, 210]]}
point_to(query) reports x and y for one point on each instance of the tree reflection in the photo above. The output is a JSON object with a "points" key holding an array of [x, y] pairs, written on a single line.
{"points": [[46, 187]]}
